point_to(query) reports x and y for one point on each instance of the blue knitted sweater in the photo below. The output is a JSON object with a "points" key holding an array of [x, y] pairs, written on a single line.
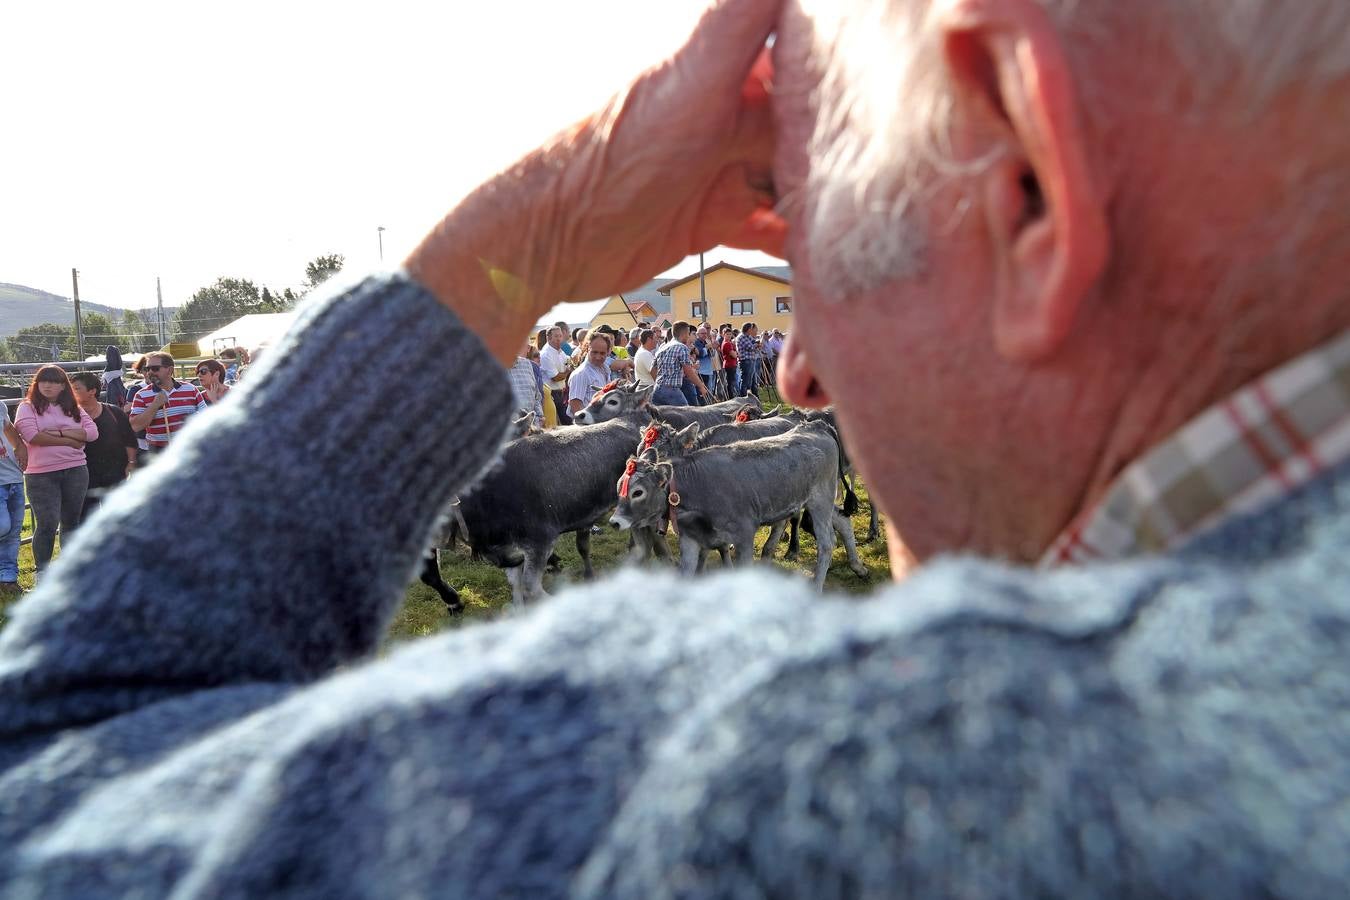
{"points": [[197, 717]]}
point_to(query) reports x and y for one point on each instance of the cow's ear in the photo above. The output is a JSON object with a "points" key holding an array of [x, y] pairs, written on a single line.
{"points": [[644, 395], [663, 472], [688, 435], [655, 413]]}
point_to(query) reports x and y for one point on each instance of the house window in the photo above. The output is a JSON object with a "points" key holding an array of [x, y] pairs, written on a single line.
{"points": [[698, 310], [782, 304], [743, 307]]}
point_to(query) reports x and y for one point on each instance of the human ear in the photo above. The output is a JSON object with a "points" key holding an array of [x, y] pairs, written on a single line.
{"points": [[1044, 215]]}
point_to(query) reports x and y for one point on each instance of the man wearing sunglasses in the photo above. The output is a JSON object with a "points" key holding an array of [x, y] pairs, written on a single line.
{"points": [[163, 406]]}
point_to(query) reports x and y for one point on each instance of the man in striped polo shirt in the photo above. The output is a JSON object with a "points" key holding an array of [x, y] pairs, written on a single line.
{"points": [[162, 407]]}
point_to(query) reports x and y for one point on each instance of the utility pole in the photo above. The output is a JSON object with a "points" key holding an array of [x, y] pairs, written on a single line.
{"points": [[79, 326], [702, 294], [379, 232], [159, 300]]}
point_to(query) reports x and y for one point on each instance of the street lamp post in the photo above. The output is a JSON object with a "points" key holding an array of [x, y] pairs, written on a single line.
{"points": [[379, 232]]}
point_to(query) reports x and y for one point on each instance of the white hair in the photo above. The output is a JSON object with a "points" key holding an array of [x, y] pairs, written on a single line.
{"points": [[885, 101]]}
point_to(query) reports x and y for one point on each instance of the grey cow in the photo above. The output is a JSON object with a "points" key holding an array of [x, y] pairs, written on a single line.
{"points": [[664, 440], [621, 399], [618, 399], [545, 485], [722, 495]]}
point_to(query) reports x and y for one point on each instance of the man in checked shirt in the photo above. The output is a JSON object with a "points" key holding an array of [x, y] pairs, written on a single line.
{"points": [[673, 365]]}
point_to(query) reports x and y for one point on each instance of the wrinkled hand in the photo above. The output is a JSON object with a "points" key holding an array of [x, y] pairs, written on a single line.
{"points": [[678, 162]]}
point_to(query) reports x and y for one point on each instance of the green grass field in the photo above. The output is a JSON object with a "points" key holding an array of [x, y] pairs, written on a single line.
{"points": [[485, 592]]}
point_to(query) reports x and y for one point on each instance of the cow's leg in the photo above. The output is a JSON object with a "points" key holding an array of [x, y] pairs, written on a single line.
{"points": [[823, 513], [583, 538], [689, 554], [745, 546], [724, 551], [639, 546], [872, 529], [794, 539], [702, 561], [771, 545], [431, 577], [660, 547], [844, 526], [532, 574], [515, 576]]}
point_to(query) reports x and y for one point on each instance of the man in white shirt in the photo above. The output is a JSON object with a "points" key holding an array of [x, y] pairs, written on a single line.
{"points": [[556, 367], [645, 358], [592, 376]]}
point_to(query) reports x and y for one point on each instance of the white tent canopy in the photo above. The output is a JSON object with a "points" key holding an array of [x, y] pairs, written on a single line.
{"points": [[576, 315], [248, 332]]}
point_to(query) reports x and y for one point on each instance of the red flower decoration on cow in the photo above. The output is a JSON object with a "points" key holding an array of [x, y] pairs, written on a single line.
{"points": [[628, 470], [649, 437], [604, 390], [742, 416]]}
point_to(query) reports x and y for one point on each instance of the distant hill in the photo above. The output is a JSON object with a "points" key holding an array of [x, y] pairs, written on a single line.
{"points": [[22, 307], [649, 292]]}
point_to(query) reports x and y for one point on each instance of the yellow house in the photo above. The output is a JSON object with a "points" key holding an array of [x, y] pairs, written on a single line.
{"points": [[735, 295], [616, 314]]}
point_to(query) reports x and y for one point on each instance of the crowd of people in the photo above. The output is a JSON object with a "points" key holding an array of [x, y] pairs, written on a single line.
{"points": [[75, 436], [557, 372]]}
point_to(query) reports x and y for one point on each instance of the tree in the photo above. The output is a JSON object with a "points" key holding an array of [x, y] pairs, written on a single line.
{"points": [[99, 332], [34, 343], [321, 268], [136, 335], [214, 306]]}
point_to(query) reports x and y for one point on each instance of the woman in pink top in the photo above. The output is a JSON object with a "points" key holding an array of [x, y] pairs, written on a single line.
{"points": [[56, 430]]}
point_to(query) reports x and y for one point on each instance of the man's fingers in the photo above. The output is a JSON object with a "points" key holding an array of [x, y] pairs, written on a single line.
{"points": [[728, 39]]}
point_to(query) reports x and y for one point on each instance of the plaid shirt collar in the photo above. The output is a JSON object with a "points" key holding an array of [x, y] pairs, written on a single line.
{"points": [[1242, 454]]}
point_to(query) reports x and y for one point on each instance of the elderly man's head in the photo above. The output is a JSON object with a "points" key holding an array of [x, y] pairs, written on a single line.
{"points": [[1076, 222]]}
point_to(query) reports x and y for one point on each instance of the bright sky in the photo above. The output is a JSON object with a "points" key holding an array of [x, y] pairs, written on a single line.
{"points": [[190, 141]]}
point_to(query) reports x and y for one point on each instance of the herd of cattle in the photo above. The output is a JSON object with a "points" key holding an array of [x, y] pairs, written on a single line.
{"points": [[714, 474]]}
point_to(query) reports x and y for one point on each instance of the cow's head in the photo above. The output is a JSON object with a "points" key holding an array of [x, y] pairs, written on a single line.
{"points": [[660, 440], [614, 400], [643, 493], [523, 424]]}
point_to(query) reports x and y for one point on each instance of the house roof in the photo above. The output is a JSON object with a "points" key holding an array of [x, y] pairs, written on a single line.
{"points": [[576, 315], [783, 272], [635, 306], [769, 272]]}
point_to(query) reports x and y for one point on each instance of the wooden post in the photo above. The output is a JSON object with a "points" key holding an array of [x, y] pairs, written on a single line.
{"points": [[79, 325]]}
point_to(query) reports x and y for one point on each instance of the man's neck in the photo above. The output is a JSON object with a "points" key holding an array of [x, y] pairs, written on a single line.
{"points": [[92, 408]]}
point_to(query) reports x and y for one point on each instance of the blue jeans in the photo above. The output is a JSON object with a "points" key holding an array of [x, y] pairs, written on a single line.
{"points": [[690, 392], [669, 396], [749, 376], [11, 524]]}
